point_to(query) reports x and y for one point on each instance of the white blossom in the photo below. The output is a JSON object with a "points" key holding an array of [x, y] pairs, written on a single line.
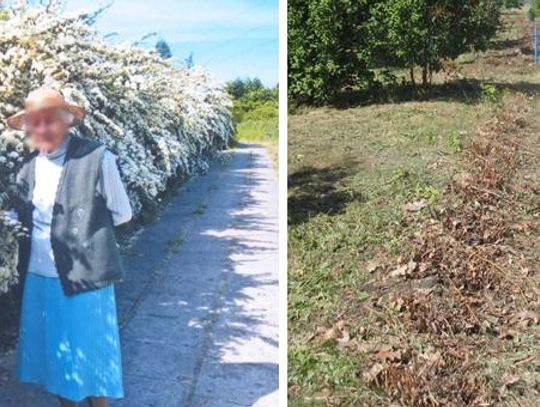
{"points": [[161, 120]]}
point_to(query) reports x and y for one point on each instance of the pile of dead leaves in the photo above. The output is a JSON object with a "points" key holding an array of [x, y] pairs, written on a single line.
{"points": [[466, 295]]}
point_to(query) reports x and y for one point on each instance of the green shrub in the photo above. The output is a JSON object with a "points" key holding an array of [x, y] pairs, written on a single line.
{"points": [[327, 48], [491, 93], [513, 3]]}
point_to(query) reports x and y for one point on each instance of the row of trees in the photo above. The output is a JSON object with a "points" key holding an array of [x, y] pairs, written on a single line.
{"points": [[334, 44], [252, 100], [251, 89]]}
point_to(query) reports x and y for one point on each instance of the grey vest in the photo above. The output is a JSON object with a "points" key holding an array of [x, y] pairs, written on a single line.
{"points": [[82, 232]]}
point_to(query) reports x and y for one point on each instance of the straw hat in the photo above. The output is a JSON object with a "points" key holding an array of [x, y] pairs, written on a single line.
{"points": [[45, 99]]}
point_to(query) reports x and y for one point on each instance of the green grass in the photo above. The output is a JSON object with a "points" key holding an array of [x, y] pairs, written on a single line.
{"points": [[265, 130], [260, 126], [322, 370]]}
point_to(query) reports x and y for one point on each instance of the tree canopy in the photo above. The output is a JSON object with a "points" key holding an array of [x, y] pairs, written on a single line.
{"points": [[327, 47], [335, 44], [163, 49]]}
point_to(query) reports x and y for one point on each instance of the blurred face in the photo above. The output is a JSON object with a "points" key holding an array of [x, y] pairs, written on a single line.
{"points": [[47, 128]]}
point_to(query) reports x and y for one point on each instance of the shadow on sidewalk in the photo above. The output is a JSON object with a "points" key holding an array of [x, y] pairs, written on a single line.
{"points": [[198, 307]]}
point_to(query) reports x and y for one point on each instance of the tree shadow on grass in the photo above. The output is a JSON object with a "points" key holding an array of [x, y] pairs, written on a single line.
{"points": [[528, 88], [462, 91], [504, 44], [466, 91], [318, 190]]}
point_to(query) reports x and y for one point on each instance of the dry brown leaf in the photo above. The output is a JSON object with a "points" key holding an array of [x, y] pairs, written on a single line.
{"points": [[508, 333], [322, 395], [335, 332], [372, 266], [526, 271], [401, 271], [404, 270], [330, 334], [414, 206], [372, 374], [345, 337], [371, 347], [525, 318], [512, 380], [388, 356]]}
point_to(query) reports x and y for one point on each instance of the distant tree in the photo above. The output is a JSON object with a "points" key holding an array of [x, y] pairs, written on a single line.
{"points": [[163, 49], [410, 33], [240, 88], [236, 88], [189, 61], [254, 85]]}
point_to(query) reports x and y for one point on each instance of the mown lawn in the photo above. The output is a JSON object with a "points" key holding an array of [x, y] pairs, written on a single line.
{"points": [[263, 131], [351, 171]]}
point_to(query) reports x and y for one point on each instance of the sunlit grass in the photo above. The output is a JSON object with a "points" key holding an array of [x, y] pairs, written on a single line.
{"points": [[264, 132]]}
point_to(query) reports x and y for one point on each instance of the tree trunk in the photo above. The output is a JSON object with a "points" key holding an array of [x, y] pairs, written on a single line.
{"points": [[411, 72], [424, 75]]}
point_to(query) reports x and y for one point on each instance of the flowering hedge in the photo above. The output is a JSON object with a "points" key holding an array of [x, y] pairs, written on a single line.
{"points": [[161, 120]]}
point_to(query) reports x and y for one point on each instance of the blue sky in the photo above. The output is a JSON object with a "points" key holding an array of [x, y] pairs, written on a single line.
{"points": [[232, 38]]}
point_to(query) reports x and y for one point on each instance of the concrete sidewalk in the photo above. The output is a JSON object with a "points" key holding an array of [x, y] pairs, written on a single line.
{"points": [[199, 307]]}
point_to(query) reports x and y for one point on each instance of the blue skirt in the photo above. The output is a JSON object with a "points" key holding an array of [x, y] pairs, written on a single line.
{"points": [[69, 345]]}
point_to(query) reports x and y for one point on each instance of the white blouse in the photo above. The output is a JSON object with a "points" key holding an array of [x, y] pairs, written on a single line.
{"points": [[47, 175]]}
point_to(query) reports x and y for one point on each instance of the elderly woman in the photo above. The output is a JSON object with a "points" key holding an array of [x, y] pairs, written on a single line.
{"points": [[69, 196]]}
